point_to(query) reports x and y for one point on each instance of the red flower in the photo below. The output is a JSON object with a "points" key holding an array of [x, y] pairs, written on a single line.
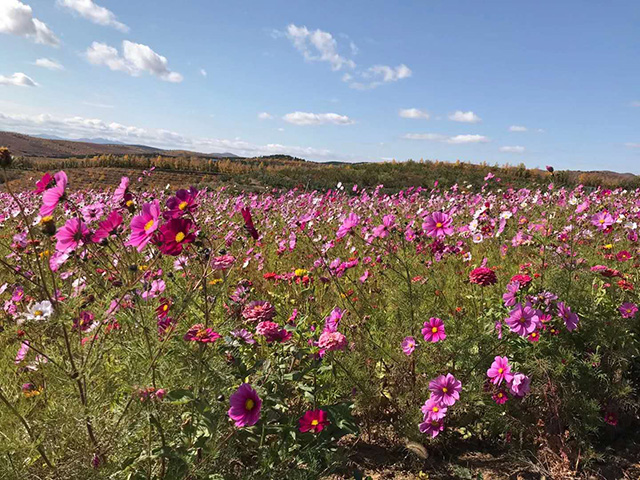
{"points": [[174, 235], [313, 421], [199, 333], [483, 276]]}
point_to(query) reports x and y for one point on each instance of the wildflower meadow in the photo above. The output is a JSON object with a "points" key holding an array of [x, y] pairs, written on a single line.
{"points": [[198, 333]]}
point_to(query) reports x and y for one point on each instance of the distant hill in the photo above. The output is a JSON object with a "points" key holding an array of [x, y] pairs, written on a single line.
{"points": [[54, 147]]}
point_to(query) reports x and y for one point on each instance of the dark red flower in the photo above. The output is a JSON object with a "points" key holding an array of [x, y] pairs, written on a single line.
{"points": [[483, 276]]}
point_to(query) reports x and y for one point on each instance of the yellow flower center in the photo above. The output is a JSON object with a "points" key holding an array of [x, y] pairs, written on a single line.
{"points": [[500, 395], [439, 225], [601, 221], [500, 370], [148, 226], [46, 219], [314, 422], [444, 390], [434, 329], [183, 205], [435, 409], [129, 203], [249, 404], [165, 307], [179, 237], [38, 313]]}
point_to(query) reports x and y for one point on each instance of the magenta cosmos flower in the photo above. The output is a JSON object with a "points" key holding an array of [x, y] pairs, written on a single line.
{"points": [[445, 390], [108, 227], [628, 310], [433, 410], [332, 341], [71, 235], [438, 224], [523, 320], [500, 370], [121, 191], [174, 235], [245, 406], [43, 183], [408, 345], [431, 427], [144, 225], [433, 330], [52, 196], [570, 319], [201, 334], [602, 220], [520, 385], [348, 224], [313, 421], [184, 202]]}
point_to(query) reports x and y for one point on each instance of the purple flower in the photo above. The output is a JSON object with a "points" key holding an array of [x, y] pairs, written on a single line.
{"points": [[445, 389], [520, 385], [512, 291], [628, 310], [570, 319], [438, 224], [523, 320], [433, 330], [431, 427], [408, 345], [245, 406], [348, 224], [500, 370]]}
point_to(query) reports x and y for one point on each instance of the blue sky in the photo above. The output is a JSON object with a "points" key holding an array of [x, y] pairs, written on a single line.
{"points": [[543, 82]]}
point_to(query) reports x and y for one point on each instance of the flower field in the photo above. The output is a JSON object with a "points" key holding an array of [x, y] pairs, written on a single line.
{"points": [[200, 334]]}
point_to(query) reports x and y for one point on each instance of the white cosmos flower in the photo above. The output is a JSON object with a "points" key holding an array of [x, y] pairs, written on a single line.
{"points": [[37, 311]]}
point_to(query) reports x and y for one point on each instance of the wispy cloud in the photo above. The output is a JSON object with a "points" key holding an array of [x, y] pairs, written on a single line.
{"points": [[265, 116], [306, 118], [464, 117], [48, 63], [16, 18], [414, 113], [82, 127], [454, 140], [632, 145], [635, 104], [18, 80], [517, 128], [135, 60], [98, 105], [94, 13], [512, 149]]}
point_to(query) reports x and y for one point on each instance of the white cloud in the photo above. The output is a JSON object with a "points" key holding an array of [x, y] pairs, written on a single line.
{"points": [[265, 116], [17, 80], [305, 118], [48, 63], [81, 127], [464, 117], [455, 140], [517, 128], [413, 113], [381, 74], [135, 59], [512, 149], [203, 72], [318, 46], [94, 13], [16, 18]]}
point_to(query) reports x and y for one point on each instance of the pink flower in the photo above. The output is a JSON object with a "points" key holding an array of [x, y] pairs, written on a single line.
{"points": [[433, 410], [71, 235], [445, 390], [120, 192], [272, 332], [571, 319], [259, 311], [602, 220], [523, 320], [628, 310], [438, 224], [520, 385], [52, 196], [431, 427], [313, 421], [108, 227], [483, 276], [144, 225], [348, 224], [222, 262], [332, 341], [43, 183], [22, 352], [500, 370], [433, 330], [408, 345], [184, 202], [245, 406], [500, 397]]}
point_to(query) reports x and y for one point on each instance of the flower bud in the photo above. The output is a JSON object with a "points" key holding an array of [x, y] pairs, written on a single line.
{"points": [[5, 157]]}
